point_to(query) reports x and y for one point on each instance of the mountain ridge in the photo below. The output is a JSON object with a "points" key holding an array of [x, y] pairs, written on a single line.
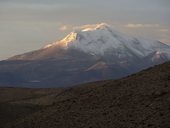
{"points": [[92, 53], [99, 39]]}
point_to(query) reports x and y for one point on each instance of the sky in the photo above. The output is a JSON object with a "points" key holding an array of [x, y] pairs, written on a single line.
{"points": [[27, 25]]}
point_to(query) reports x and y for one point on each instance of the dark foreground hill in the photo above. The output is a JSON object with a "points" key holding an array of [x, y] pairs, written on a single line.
{"points": [[138, 101]]}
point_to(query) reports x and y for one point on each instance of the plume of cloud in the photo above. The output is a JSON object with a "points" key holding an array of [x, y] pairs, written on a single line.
{"points": [[68, 27], [65, 27]]}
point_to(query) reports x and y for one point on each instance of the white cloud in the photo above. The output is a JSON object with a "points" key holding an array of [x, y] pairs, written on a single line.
{"points": [[68, 27], [164, 30], [65, 27], [134, 26], [142, 25]]}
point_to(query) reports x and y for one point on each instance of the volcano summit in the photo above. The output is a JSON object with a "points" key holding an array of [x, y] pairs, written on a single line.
{"points": [[94, 52]]}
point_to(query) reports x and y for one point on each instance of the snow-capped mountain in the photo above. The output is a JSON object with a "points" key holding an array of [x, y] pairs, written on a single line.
{"points": [[98, 40], [92, 52]]}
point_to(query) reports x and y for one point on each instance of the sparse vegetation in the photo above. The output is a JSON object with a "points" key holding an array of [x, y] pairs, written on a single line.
{"points": [[138, 101]]}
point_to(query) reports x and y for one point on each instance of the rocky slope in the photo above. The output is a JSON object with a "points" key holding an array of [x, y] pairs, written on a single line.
{"points": [[141, 100]]}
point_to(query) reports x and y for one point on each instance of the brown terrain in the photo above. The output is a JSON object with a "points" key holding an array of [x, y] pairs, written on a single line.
{"points": [[141, 100]]}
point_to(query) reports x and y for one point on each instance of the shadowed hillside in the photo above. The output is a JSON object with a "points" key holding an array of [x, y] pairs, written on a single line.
{"points": [[138, 101], [16, 103]]}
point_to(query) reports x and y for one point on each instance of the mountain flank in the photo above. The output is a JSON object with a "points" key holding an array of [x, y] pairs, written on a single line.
{"points": [[92, 53], [141, 100]]}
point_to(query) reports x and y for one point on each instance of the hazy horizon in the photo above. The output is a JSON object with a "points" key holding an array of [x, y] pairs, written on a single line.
{"points": [[29, 25]]}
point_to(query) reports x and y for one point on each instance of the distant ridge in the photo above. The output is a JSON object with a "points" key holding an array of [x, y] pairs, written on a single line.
{"points": [[91, 53], [137, 101]]}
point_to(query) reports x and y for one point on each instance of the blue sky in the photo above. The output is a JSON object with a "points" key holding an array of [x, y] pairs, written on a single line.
{"points": [[26, 25]]}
